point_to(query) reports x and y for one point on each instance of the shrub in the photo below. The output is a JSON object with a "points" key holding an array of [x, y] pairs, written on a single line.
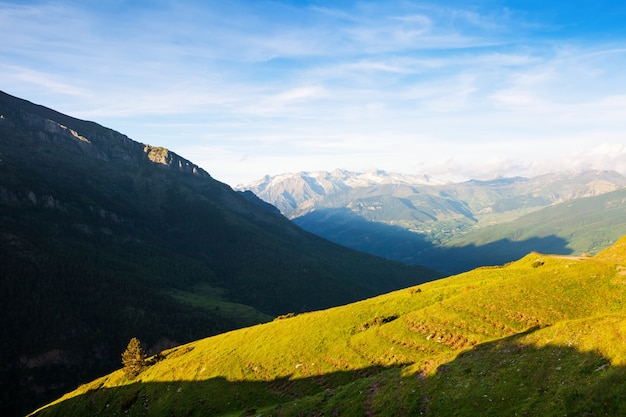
{"points": [[134, 358], [285, 316]]}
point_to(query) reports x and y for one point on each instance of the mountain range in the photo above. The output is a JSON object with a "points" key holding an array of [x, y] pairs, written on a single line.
{"points": [[541, 336], [103, 238], [295, 194], [453, 227]]}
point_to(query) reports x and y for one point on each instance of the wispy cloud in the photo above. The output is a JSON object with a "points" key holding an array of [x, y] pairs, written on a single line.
{"points": [[260, 87], [39, 79]]}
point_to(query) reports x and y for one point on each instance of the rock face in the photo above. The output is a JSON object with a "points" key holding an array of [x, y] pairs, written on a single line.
{"points": [[170, 159]]}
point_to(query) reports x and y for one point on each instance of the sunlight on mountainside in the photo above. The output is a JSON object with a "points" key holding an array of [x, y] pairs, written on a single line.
{"points": [[544, 326]]}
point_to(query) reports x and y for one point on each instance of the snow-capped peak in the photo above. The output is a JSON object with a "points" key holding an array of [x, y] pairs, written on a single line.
{"points": [[290, 190]]}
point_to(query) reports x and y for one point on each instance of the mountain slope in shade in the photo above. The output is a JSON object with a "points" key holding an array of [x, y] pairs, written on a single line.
{"points": [[582, 225], [541, 336], [103, 238]]}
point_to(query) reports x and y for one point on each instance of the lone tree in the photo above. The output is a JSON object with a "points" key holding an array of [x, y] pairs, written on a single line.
{"points": [[134, 358]]}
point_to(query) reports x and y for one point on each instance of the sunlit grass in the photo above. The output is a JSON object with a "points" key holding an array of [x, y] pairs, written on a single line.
{"points": [[535, 336]]}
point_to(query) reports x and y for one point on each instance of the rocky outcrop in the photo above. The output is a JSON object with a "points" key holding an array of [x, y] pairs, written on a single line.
{"points": [[163, 156]]}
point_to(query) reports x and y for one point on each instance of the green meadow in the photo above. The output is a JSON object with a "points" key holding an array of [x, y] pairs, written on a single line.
{"points": [[544, 335]]}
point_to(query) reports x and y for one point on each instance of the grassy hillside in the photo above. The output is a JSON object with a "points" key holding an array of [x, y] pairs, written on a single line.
{"points": [[103, 238], [588, 224], [540, 336]]}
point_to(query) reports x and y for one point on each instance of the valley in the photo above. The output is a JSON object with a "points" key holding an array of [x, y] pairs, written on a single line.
{"points": [[454, 227]]}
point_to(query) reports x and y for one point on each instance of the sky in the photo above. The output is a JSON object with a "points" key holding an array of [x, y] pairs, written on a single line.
{"points": [[454, 89]]}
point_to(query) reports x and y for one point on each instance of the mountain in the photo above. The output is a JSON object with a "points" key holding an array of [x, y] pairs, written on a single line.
{"points": [[298, 192], [103, 238], [583, 225], [454, 227], [541, 336]]}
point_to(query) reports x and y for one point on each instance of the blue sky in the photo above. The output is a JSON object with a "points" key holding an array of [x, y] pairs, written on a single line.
{"points": [[455, 89]]}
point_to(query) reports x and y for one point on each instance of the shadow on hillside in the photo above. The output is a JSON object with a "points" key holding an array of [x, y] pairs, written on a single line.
{"points": [[504, 377], [214, 396], [512, 377], [346, 228]]}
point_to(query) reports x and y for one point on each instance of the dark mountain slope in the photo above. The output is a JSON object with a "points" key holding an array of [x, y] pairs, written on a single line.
{"points": [[103, 238]]}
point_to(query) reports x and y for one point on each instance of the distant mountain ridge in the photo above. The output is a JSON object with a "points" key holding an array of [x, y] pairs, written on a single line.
{"points": [[103, 238], [296, 192], [415, 219]]}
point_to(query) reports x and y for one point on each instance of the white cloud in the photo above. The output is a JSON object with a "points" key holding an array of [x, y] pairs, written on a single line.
{"points": [[255, 88], [12, 74]]}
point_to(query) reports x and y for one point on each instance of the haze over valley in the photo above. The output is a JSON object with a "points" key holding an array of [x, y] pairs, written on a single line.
{"points": [[454, 227]]}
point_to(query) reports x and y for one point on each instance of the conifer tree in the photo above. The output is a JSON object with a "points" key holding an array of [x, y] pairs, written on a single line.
{"points": [[134, 358]]}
